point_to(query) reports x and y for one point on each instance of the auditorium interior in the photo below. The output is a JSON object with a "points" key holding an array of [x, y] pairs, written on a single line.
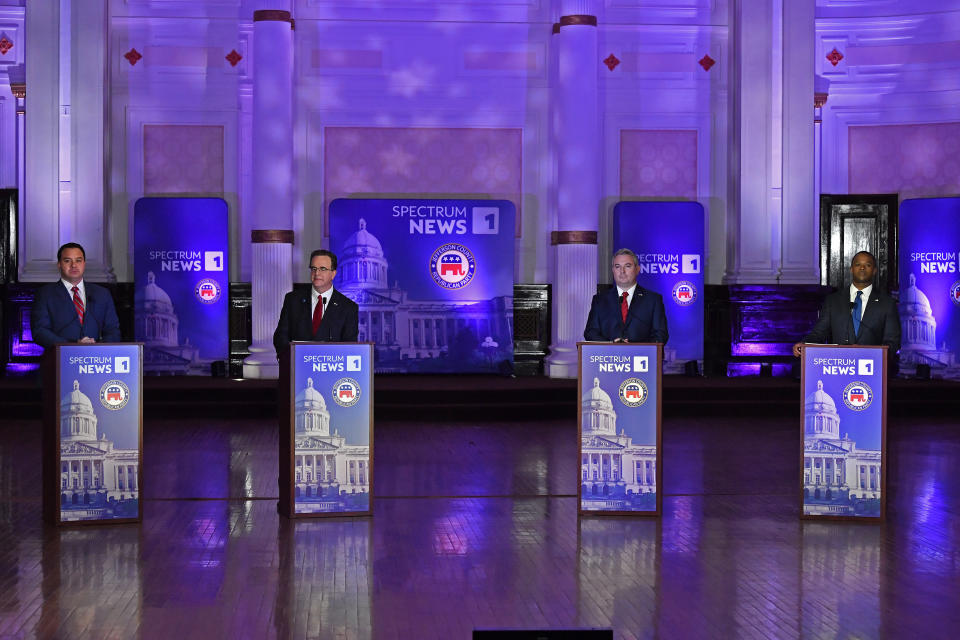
{"points": [[501, 485]]}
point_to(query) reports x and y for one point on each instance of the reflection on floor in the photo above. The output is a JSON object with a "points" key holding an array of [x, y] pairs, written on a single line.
{"points": [[475, 526]]}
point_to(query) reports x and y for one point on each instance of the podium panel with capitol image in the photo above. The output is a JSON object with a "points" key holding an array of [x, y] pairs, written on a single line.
{"points": [[93, 410], [843, 465], [619, 428], [326, 430]]}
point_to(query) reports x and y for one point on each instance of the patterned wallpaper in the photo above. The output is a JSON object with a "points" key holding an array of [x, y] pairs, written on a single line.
{"points": [[182, 158], [394, 161], [657, 163], [914, 160]]}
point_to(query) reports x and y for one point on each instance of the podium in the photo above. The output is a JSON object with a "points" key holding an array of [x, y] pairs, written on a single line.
{"points": [[844, 457], [326, 429], [92, 436], [619, 428]]}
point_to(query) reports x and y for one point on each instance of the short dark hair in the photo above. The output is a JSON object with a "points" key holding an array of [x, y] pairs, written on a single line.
{"points": [[863, 253], [329, 254], [71, 245]]}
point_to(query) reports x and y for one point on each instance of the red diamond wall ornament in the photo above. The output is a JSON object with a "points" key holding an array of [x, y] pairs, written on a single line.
{"points": [[233, 58], [834, 57], [611, 61], [706, 62], [133, 56], [5, 45]]}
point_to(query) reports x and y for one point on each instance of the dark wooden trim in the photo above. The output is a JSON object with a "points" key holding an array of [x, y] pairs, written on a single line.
{"points": [[276, 236], [555, 29], [573, 237], [272, 15], [577, 19]]}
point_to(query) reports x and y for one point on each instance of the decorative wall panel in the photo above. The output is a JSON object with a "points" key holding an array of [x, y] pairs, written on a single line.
{"points": [[658, 164], [182, 159]]}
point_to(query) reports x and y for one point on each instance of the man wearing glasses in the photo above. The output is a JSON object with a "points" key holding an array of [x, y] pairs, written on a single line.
{"points": [[325, 315]]}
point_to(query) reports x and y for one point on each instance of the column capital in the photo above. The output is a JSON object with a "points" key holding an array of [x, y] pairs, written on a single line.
{"points": [[577, 19], [573, 237], [275, 236], [272, 15]]}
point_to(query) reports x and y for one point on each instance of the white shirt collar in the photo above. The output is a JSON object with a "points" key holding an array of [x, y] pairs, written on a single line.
{"points": [[866, 293], [315, 296], [629, 293], [82, 289]]}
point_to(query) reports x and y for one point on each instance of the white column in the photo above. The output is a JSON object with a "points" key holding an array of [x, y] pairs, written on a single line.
{"points": [[753, 221], [800, 251], [88, 71], [579, 160], [272, 237], [272, 279], [39, 214]]}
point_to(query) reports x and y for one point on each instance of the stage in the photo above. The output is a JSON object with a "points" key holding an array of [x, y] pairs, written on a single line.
{"points": [[475, 523]]}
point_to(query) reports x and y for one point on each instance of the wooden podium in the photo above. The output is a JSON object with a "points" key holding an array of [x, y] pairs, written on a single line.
{"points": [[843, 459], [93, 433], [619, 429], [326, 430]]}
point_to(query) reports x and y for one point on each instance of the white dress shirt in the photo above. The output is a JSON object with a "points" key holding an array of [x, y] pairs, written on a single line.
{"points": [[863, 299], [315, 298], [629, 293], [80, 290]]}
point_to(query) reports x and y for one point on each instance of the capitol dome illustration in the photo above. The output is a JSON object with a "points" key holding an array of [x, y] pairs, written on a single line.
{"points": [[77, 419], [918, 330], [597, 410], [429, 335], [157, 323], [822, 419], [362, 263], [312, 415]]}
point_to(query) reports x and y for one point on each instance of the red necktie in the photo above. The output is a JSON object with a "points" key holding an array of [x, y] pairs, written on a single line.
{"points": [[624, 307], [318, 314], [77, 302]]}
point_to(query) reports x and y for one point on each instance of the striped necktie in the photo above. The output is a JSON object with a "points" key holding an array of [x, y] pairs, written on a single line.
{"points": [[77, 302]]}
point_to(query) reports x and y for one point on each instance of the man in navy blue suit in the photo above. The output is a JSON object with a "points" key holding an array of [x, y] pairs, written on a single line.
{"points": [[72, 310], [627, 312]]}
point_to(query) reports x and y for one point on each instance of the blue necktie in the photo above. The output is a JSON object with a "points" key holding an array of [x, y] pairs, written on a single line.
{"points": [[857, 312]]}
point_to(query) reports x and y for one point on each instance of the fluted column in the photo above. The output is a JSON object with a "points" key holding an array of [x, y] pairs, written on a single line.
{"points": [[579, 159], [272, 277], [272, 249]]}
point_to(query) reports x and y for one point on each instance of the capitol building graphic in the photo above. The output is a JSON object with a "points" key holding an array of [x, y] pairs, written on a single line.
{"points": [[838, 478], [329, 474], [918, 330], [97, 480], [421, 335], [157, 326], [615, 474]]}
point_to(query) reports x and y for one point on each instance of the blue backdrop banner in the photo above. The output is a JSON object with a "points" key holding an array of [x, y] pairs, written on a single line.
{"points": [[182, 298], [99, 427], [433, 278], [333, 412], [843, 431], [619, 427], [930, 286], [668, 238]]}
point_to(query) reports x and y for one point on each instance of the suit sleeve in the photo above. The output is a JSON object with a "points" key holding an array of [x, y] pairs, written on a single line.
{"points": [[110, 331], [281, 336], [351, 325], [891, 328], [821, 333], [658, 324], [41, 322], [593, 331]]}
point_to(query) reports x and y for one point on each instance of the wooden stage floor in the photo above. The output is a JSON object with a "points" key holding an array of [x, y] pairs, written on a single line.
{"points": [[475, 526]]}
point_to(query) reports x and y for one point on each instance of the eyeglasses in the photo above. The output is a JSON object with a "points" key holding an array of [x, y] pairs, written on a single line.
{"points": [[319, 269]]}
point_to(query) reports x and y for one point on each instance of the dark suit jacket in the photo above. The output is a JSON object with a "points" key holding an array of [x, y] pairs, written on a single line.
{"points": [[646, 318], [340, 322], [54, 319], [880, 324]]}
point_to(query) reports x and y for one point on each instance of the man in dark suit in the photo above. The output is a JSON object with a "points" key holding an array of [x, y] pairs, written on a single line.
{"points": [[323, 315], [861, 314], [627, 312], [72, 310]]}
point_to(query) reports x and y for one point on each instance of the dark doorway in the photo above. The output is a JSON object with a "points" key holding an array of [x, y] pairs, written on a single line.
{"points": [[852, 223]]}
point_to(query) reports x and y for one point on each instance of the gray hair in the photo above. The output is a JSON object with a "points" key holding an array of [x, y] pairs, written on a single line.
{"points": [[627, 252]]}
